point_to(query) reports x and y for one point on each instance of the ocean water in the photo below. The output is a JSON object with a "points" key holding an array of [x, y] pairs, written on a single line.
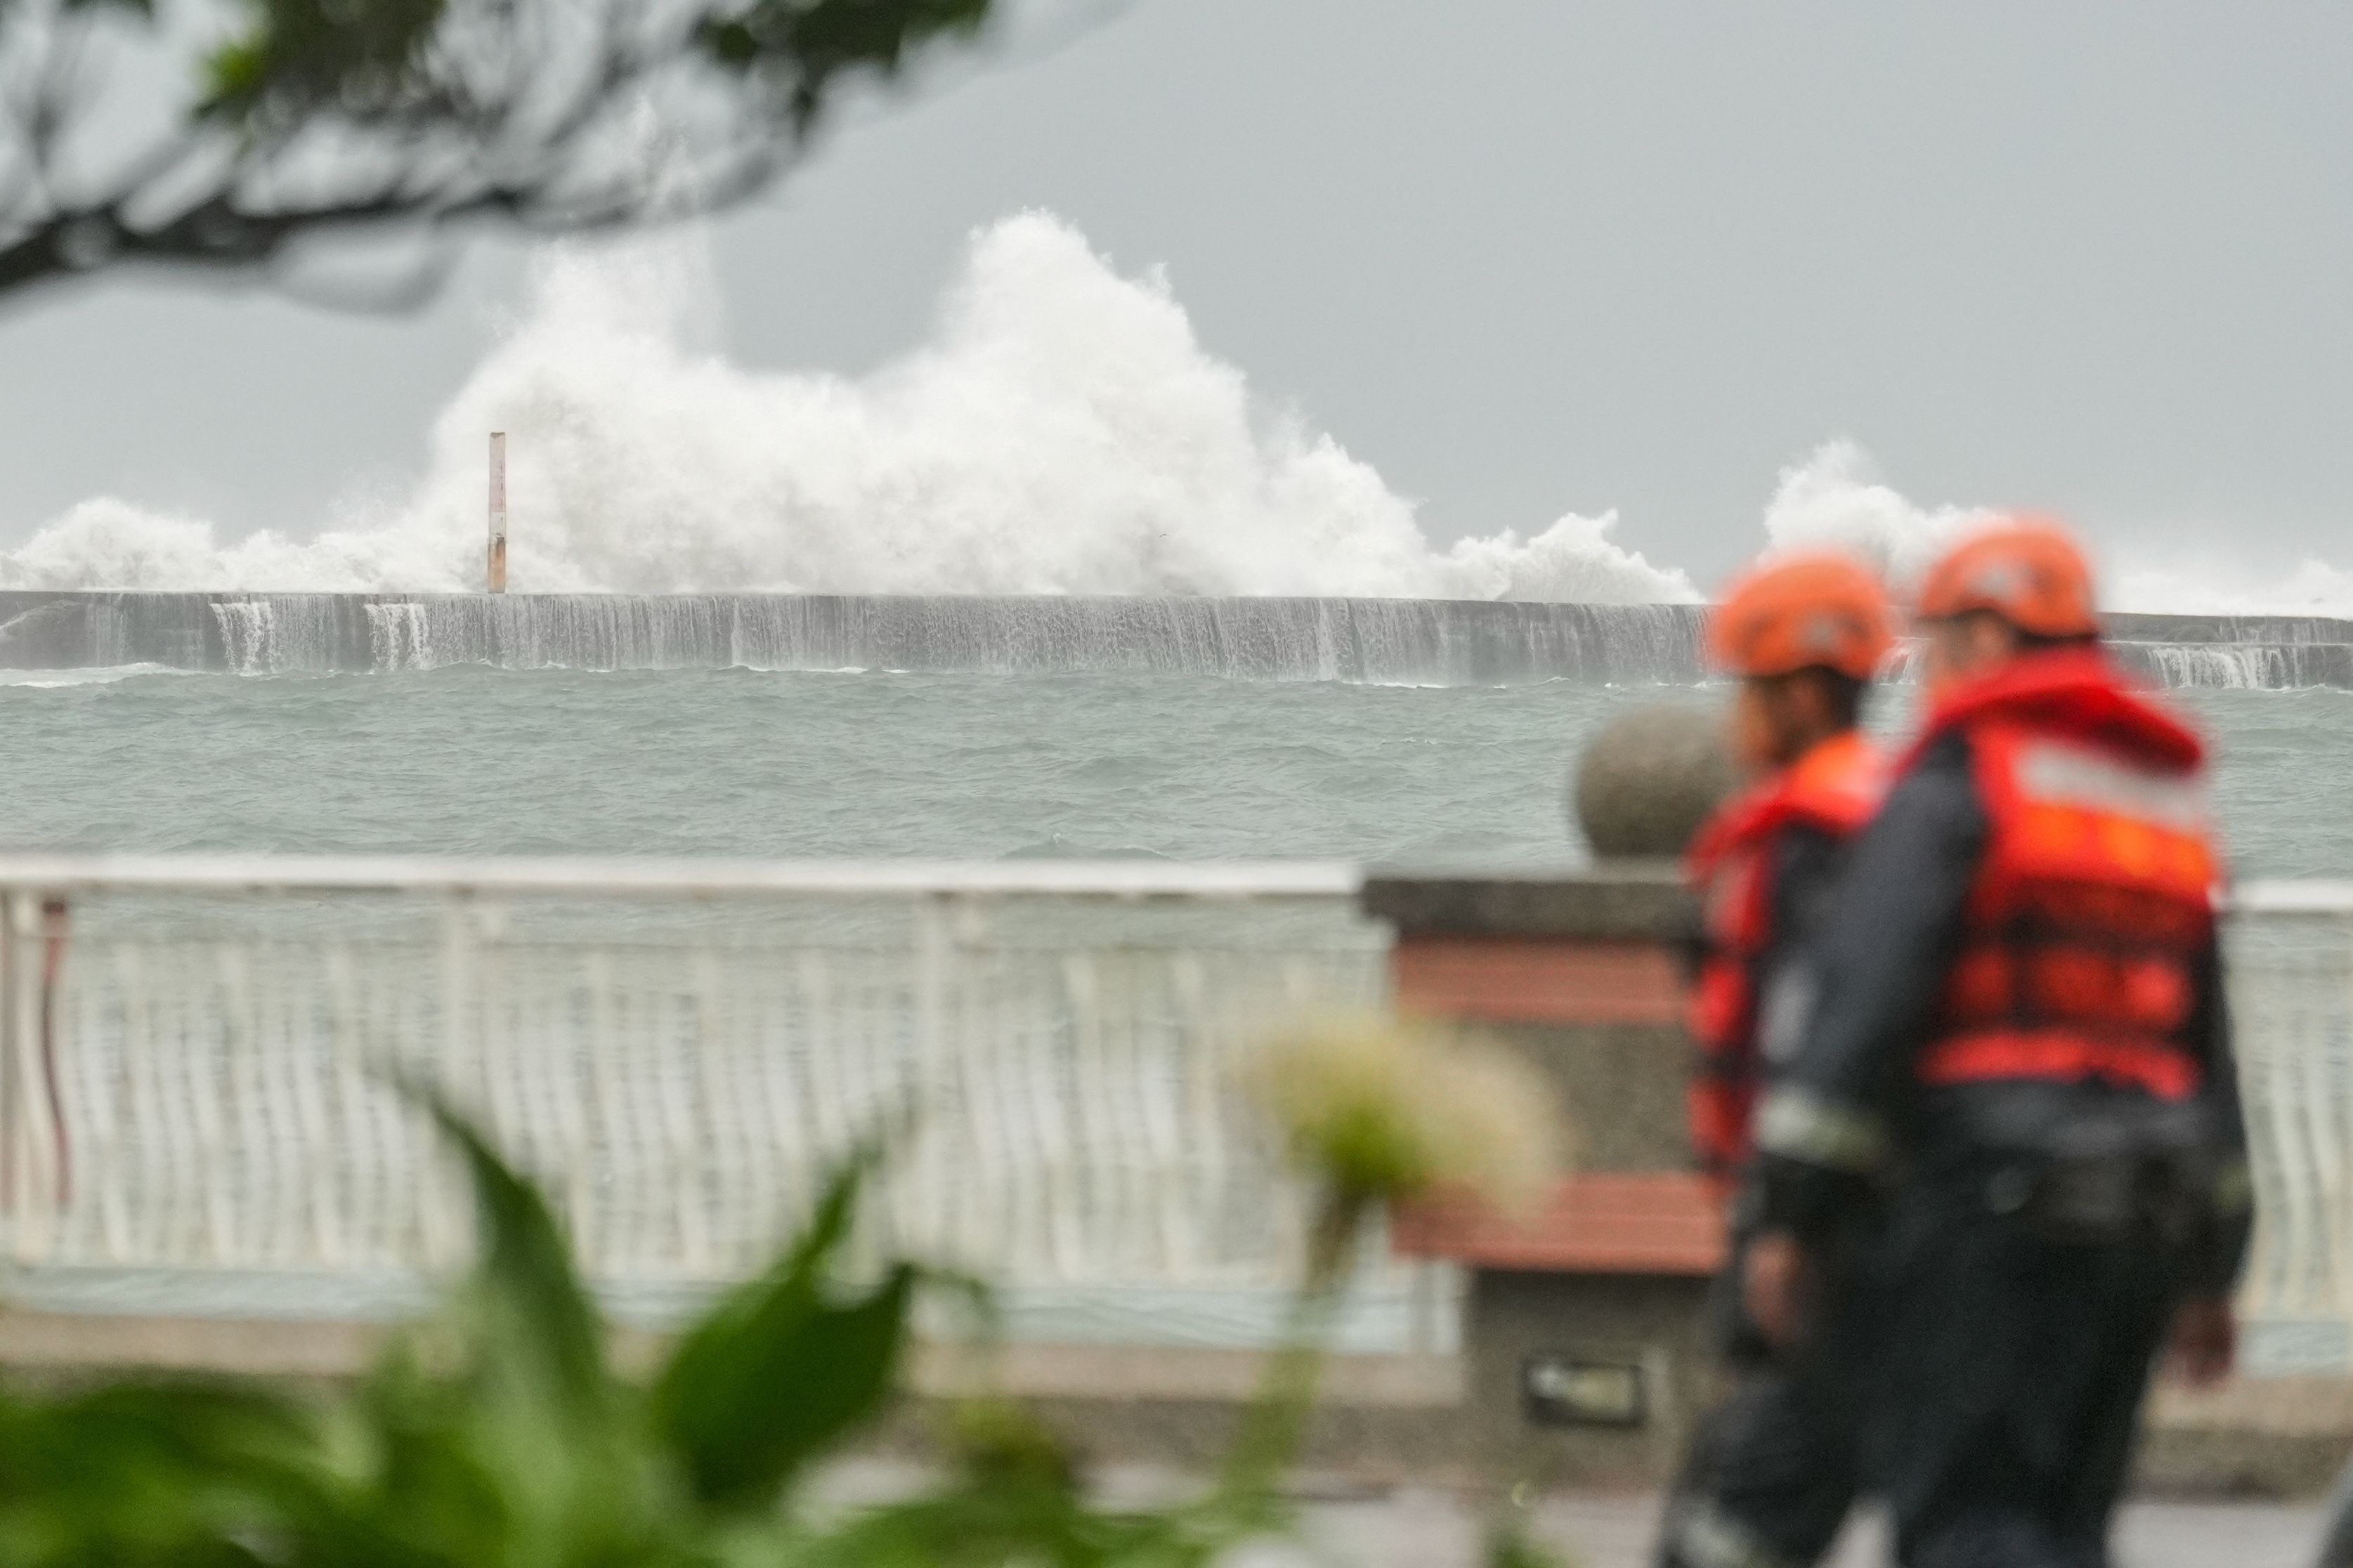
{"points": [[470, 759]]}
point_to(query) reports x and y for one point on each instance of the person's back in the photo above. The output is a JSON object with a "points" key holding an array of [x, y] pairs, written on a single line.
{"points": [[1771, 1472], [2018, 1020]]}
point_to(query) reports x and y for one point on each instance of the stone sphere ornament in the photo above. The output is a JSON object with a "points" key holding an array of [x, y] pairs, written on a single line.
{"points": [[1649, 778]]}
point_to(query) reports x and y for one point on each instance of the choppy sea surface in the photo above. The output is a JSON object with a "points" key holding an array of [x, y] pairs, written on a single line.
{"points": [[476, 761]]}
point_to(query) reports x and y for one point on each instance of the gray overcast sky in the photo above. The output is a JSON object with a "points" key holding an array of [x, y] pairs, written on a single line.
{"points": [[1523, 255]]}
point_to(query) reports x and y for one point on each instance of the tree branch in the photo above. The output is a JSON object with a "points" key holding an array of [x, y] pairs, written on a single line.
{"points": [[557, 115]]}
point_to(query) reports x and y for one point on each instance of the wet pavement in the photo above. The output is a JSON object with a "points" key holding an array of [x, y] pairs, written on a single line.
{"points": [[1413, 1529], [1350, 1525]]}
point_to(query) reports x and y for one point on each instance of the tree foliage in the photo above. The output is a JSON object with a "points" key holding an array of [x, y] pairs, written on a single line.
{"points": [[281, 119]]}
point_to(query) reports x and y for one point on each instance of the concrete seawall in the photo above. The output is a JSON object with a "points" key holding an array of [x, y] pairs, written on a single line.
{"points": [[1388, 641]]}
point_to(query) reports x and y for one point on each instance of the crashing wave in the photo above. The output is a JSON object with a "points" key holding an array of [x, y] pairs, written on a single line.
{"points": [[1063, 432]]}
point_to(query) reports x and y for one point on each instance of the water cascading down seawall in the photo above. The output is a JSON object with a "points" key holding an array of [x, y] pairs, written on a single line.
{"points": [[1394, 641]]}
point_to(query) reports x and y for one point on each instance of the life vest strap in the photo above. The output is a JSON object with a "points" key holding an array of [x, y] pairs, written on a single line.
{"points": [[2064, 1056]]}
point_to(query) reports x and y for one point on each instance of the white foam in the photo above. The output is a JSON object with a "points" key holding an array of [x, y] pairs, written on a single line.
{"points": [[2223, 588], [1835, 499], [97, 675], [1063, 432]]}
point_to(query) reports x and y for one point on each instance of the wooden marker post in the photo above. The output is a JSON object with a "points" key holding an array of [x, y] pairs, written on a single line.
{"points": [[498, 558]]}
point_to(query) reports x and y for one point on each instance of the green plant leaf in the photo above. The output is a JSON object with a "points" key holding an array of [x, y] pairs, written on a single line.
{"points": [[781, 1368], [144, 1473], [523, 1273], [494, 1433]]}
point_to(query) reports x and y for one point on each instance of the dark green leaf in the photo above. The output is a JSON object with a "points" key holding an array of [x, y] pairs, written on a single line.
{"points": [[524, 1276], [144, 1473], [781, 1368]]}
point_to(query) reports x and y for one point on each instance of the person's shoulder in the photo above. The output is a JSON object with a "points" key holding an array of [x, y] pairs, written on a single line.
{"points": [[1800, 846], [1944, 753], [1937, 781]]}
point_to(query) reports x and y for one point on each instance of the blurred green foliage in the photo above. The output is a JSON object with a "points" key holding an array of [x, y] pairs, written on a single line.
{"points": [[496, 1434], [295, 54], [818, 41]]}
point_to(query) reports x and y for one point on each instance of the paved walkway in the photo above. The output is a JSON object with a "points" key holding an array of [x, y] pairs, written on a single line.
{"points": [[1351, 1526], [1409, 1528]]}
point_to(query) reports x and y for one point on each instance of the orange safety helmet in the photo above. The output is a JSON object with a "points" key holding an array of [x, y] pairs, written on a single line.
{"points": [[2027, 570], [1799, 612]]}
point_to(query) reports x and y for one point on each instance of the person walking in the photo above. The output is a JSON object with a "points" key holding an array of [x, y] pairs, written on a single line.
{"points": [[1770, 1470], [2014, 1027]]}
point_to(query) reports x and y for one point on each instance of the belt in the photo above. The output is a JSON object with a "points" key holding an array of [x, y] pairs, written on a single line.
{"points": [[2105, 1198]]}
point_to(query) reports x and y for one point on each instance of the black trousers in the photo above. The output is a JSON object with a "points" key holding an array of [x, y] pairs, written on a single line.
{"points": [[2003, 1416], [1773, 1469], [1768, 1478]]}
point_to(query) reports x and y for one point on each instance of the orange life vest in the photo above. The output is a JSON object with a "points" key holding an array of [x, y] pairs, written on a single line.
{"points": [[1833, 789], [2095, 896]]}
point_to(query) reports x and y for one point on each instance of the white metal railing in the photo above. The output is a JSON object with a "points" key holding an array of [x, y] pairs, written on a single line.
{"points": [[192, 1055], [193, 1115], [2292, 1002]]}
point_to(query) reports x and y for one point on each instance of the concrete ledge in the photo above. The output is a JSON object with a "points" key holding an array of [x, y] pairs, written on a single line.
{"points": [[1388, 1416], [1641, 900], [2283, 1406], [1180, 1373], [233, 1347], [259, 1348], [2252, 1437]]}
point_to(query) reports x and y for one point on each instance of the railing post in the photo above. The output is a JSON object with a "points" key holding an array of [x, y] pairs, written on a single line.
{"points": [[438, 1191], [933, 1206], [16, 1197], [34, 1189]]}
